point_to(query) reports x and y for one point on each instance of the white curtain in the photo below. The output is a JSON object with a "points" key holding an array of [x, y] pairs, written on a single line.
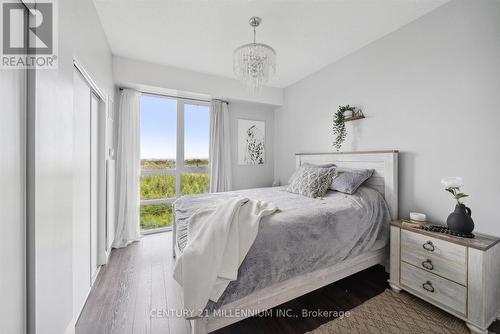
{"points": [[219, 150], [127, 169]]}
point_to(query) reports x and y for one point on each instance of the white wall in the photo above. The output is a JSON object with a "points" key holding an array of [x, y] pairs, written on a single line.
{"points": [[80, 36], [146, 76], [246, 176], [431, 90]]}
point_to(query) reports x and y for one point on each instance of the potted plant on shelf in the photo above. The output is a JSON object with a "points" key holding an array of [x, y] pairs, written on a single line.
{"points": [[459, 220], [339, 129]]}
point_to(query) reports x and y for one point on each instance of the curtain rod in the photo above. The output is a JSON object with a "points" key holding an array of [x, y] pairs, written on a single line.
{"points": [[178, 97]]}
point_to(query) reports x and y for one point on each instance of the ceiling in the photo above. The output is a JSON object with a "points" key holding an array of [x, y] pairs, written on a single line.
{"points": [[201, 35]]}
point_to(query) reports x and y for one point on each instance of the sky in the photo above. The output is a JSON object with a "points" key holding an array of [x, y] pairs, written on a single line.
{"points": [[159, 124]]}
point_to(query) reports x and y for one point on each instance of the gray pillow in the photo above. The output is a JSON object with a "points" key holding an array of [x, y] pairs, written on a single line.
{"points": [[318, 166], [348, 180], [311, 181]]}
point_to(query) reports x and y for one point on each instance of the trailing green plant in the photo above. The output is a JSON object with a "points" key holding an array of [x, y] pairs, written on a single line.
{"points": [[339, 129]]}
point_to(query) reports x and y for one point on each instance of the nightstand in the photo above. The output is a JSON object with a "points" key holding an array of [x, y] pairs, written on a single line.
{"points": [[458, 275]]}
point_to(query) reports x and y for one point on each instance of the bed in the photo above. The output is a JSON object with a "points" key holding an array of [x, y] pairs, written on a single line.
{"points": [[310, 243]]}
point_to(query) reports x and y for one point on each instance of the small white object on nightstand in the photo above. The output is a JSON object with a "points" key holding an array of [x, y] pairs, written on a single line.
{"points": [[418, 216]]}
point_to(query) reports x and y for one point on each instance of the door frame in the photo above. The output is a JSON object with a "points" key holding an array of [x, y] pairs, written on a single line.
{"points": [[101, 174], [78, 65]]}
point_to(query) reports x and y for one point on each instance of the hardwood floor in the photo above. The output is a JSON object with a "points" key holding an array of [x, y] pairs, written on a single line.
{"points": [[138, 279]]}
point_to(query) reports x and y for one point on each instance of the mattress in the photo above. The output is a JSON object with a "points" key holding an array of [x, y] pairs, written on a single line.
{"points": [[306, 234]]}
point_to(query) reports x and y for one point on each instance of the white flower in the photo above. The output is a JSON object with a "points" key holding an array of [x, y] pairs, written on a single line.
{"points": [[452, 182]]}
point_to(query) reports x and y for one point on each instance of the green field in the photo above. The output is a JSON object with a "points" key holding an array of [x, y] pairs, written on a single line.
{"points": [[155, 216], [170, 163], [163, 186]]}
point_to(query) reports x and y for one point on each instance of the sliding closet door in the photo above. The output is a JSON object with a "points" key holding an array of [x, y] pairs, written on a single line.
{"points": [[12, 201], [12, 194], [94, 185], [81, 190]]}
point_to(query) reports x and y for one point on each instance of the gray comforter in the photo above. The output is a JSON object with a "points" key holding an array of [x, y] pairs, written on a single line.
{"points": [[305, 235]]}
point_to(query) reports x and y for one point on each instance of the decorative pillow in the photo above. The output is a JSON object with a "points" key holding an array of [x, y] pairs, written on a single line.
{"points": [[348, 180], [311, 181], [318, 166]]}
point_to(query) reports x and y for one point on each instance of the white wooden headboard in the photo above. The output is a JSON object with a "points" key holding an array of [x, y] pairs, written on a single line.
{"points": [[385, 164]]}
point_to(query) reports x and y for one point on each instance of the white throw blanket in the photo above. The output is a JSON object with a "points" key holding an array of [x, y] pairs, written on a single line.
{"points": [[220, 236]]}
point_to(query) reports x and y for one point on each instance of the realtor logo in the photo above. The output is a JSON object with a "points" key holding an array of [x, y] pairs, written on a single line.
{"points": [[29, 38]]}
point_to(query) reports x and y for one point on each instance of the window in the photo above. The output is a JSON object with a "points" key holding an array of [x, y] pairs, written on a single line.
{"points": [[174, 156]]}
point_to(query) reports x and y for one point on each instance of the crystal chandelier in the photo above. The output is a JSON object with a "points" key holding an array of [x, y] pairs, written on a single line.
{"points": [[254, 63]]}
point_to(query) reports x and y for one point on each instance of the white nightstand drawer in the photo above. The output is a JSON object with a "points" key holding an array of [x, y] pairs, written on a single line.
{"points": [[434, 288], [434, 255]]}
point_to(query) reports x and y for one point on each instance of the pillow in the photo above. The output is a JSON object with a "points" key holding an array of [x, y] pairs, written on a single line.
{"points": [[311, 181], [348, 180], [307, 164], [318, 166]]}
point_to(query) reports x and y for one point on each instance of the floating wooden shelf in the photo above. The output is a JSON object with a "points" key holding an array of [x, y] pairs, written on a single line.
{"points": [[353, 118]]}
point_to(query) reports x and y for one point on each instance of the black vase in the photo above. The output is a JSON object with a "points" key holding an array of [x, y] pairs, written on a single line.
{"points": [[460, 220]]}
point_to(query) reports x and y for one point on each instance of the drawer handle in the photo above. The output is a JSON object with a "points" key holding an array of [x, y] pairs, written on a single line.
{"points": [[428, 286], [427, 264], [429, 246]]}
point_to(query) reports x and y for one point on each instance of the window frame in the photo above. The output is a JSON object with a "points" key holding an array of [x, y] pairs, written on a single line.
{"points": [[180, 168]]}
